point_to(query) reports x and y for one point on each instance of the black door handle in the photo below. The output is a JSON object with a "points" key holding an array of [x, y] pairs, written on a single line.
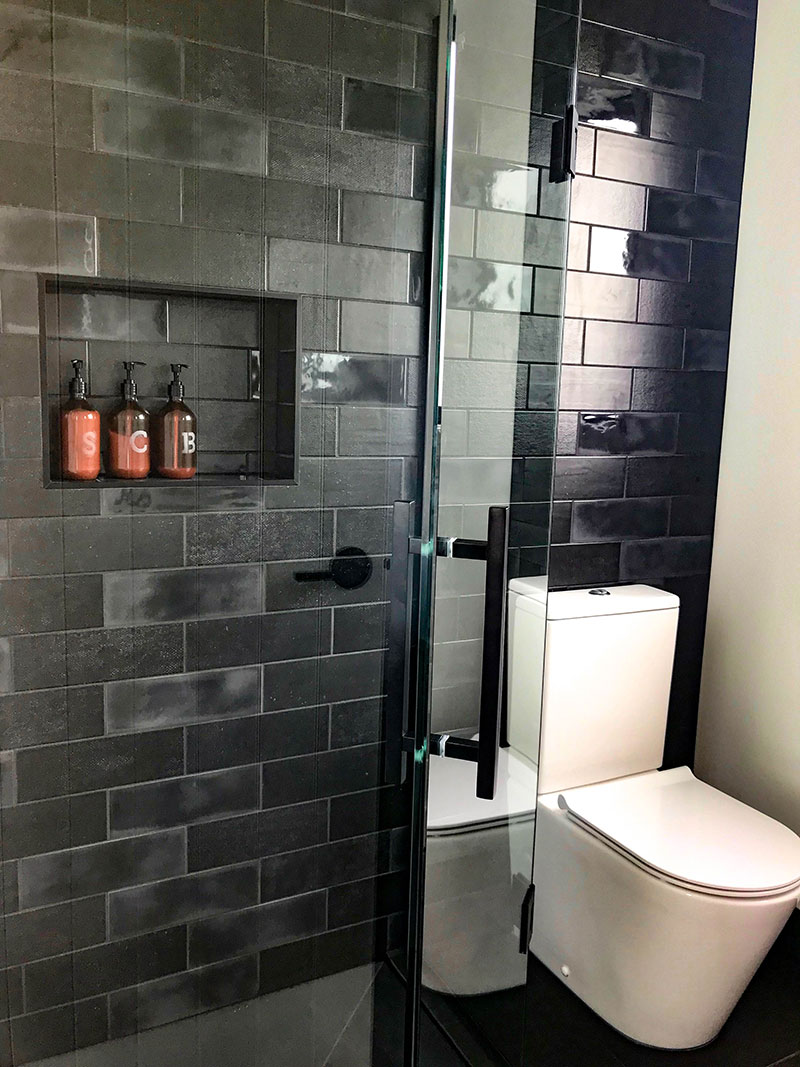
{"points": [[350, 568], [485, 750]]}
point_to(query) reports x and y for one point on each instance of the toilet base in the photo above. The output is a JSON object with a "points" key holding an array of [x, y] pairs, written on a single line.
{"points": [[662, 964]]}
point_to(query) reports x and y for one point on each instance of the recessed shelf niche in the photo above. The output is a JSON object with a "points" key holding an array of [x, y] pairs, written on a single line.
{"points": [[241, 348]]}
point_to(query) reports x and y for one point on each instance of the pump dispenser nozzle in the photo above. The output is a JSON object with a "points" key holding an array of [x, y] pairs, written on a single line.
{"points": [[77, 385], [129, 385], [176, 386]]}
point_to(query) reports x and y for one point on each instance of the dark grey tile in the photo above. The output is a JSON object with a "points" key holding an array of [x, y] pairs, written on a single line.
{"points": [[100, 868], [494, 184], [607, 203], [305, 778], [349, 677], [247, 639], [166, 903], [658, 390], [52, 825], [634, 159], [667, 557], [115, 544], [632, 345], [621, 433], [167, 596], [360, 627], [31, 605], [581, 565], [616, 520], [178, 132], [366, 528], [692, 516], [195, 798], [367, 899], [51, 931], [22, 427], [609, 104], [167, 999], [110, 655], [149, 703], [326, 865], [222, 78], [39, 662], [638, 255], [234, 742], [34, 110], [685, 215], [385, 328], [257, 928], [419, 14], [343, 159], [706, 350], [368, 812], [671, 475], [19, 356], [387, 111], [388, 222], [337, 270], [52, 715], [48, 1033], [356, 722], [595, 387], [98, 763], [377, 431], [561, 522], [303, 94], [97, 970], [588, 478], [250, 837], [655, 64], [105, 316]]}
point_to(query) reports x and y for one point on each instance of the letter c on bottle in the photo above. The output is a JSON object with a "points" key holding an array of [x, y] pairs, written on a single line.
{"points": [[139, 441]]}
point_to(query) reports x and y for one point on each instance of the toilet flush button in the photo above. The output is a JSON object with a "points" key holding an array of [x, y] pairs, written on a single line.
{"points": [[599, 592], [565, 971]]}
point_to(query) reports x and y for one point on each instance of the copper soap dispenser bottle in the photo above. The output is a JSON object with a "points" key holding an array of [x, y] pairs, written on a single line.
{"points": [[129, 432], [176, 432], [80, 431]]}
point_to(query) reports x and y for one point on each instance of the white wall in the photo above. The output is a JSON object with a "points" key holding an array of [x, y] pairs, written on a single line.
{"points": [[749, 731]]}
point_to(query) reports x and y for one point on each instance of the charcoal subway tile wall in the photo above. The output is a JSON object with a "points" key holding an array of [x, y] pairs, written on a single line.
{"points": [[663, 93], [192, 762]]}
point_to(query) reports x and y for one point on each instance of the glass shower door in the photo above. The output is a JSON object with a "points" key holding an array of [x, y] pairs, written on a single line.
{"points": [[509, 154]]}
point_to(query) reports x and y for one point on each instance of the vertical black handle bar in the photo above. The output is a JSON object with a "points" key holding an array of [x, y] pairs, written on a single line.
{"points": [[494, 628]]}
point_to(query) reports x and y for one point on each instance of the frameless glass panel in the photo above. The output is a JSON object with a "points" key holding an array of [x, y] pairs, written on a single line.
{"points": [[514, 68], [205, 841]]}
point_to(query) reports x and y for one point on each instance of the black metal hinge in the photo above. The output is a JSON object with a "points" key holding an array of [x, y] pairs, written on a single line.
{"points": [[564, 147], [526, 919]]}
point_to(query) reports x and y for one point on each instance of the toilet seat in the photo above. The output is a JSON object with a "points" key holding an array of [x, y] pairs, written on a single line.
{"points": [[453, 807], [686, 832]]}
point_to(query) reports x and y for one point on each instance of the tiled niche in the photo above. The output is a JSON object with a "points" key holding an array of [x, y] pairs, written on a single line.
{"points": [[240, 350]]}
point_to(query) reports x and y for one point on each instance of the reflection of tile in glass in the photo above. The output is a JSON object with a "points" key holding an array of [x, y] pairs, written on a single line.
{"points": [[107, 316], [483, 285], [40, 240], [639, 255], [213, 322], [488, 183], [336, 378]]}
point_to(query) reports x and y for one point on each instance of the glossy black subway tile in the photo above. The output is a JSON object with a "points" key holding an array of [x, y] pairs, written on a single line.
{"points": [[634, 159], [706, 350], [613, 106], [587, 478], [580, 565], [685, 215], [632, 345], [619, 520], [670, 557], [626, 433], [638, 255], [642, 60]]}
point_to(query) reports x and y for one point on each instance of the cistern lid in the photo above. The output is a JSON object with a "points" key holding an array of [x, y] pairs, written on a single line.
{"points": [[689, 832]]}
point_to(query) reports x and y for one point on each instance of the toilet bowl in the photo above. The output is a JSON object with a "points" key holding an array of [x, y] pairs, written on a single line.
{"points": [[478, 868], [657, 896]]}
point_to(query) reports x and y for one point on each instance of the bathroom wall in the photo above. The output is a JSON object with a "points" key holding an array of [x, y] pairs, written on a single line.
{"points": [[663, 96], [749, 730], [193, 798]]}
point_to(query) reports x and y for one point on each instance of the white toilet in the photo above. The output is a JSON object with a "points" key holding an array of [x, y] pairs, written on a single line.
{"points": [[657, 896]]}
